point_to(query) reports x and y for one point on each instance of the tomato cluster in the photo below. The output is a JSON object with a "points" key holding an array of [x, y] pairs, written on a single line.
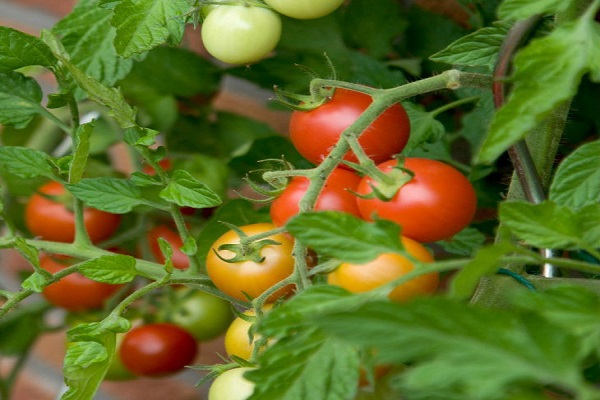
{"points": [[244, 33]]}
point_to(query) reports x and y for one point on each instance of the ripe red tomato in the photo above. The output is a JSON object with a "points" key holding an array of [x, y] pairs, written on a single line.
{"points": [[52, 219], [359, 278], [314, 133], [157, 349], [74, 292], [180, 259], [237, 279], [335, 195], [436, 204]]}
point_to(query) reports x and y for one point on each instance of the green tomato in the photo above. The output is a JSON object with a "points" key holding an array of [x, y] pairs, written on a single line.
{"points": [[231, 385], [304, 9], [240, 34], [116, 370], [203, 315]]}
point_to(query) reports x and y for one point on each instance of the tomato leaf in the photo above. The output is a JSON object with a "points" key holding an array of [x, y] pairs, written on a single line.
{"points": [[88, 38], [81, 153], [464, 242], [144, 24], [25, 163], [108, 194], [345, 237], [576, 182], [424, 127], [478, 49], [21, 327], [18, 49], [185, 190], [450, 347], [20, 98], [115, 269], [522, 9], [540, 84]]}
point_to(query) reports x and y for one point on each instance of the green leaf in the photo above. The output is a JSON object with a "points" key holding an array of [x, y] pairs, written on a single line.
{"points": [[186, 191], [576, 182], [544, 225], [21, 327], [18, 50], [522, 9], [114, 269], [588, 219], [345, 237], [144, 24], [424, 128], [88, 38], [82, 149], [20, 98], [464, 242], [294, 369], [547, 73], [483, 353], [478, 49], [112, 195], [25, 163], [109, 97]]}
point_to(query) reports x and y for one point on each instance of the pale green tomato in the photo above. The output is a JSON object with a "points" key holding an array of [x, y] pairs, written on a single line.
{"points": [[231, 385], [240, 34], [304, 9]]}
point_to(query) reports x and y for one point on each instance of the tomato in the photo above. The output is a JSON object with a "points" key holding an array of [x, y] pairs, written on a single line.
{"points": [[250, 277], [203, 315], [240, 34], [237, 337], [336, 195], [157, 349], [314, 133], [231, 385], [304, 9], [50, 219], [437, 203], [180, 259], [359, 278], [74, 292]]}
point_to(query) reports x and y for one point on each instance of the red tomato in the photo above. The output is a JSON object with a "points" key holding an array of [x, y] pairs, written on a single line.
{"points": [[359, 278], [180, 259], [74, 292], [436, 204], [52, 220], [335, 196], [157, 349], [314, 133], [248, 277]]}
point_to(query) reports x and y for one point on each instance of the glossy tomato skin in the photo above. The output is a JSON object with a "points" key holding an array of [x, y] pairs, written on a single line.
{"points": [[238, 341], [52, 220], [359, 278], [180, 259], [238, 34], [314, 133], [158, 349], [231, 385], [251, 277], [336, 196], [74, 292], [304, 9], [435, 205], [202, 314]]}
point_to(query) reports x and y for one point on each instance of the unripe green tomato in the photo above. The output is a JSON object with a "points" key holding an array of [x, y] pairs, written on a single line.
{"points": [[231, 385], [240, 34], [203, 315], [304, 9]]}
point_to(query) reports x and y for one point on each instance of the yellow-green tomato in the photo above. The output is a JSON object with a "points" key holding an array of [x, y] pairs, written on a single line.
{"points": [[240, 34], [203, 315], [231, 385], [304, 9]]}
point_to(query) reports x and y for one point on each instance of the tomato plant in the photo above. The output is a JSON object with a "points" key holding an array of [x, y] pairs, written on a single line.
{"points": [[48, 216], [179, 258], [315, 132], [335, 195], [240, 34], [437, 203], [304, 9], [157, 349], [245, 271], [358, 278], [202, 314], [74, 292], [239, 338], [231, 385], [117, 370]]}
